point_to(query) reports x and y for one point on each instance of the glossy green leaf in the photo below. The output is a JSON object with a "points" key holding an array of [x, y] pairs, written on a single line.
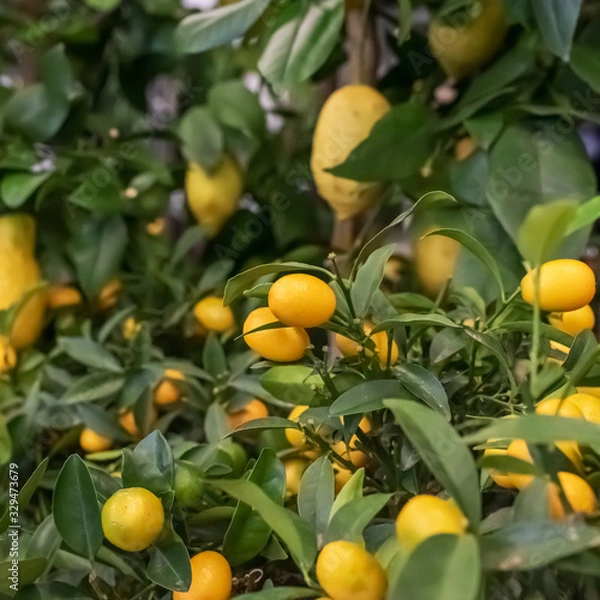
{"points": [[351, 491], [425, 386], [45, 540], [169, 564], [368, 279], [214, 359], [408, 319], [291, 383], [585, 215], [283, 593], [202, 138], [6, 445], [93, 387], [216, 425], [316, 494], [585, 62], [368, 397], [29, 570], [89, 353], [18, 187], [556, 20]]}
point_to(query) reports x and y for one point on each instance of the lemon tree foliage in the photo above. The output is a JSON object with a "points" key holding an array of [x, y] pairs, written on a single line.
{"points": [[292, 302]]}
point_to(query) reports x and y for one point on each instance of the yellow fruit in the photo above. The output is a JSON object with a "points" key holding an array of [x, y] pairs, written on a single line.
{"points": [[132, 519], [301, 300], [424, 516], [8, 356], [381, 340], [60, 296], [211, 578], [127, 421], [255, 409], [213, 197], [466, 42], [345, 121], [575, 321], [503, 480], [348, 572], [167, 391], [131, 328], [580, 496], [156, 227], [213, 316], [90, 441], [435, 262], [590, 391], [588, 405], [518, 449], [565, 285], [285, 344], [294, 469], [294, 436], [341, 477], [109, 294], [464, 148], [349, 452], [19, 275]]}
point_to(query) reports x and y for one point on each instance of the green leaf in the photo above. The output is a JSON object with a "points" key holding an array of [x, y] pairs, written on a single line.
{"points": [[248, 533], [585, 62], [316, 493], [425, 386], [556, 21], [443, 567], [585, 215], [6, 445], [405, 18], [294, 532], [29, 570], [283, 593], [75, 508], [89, 353], [265, 424], [291, 383], [205, 30], [351, 491], [202, 138], [304, 34], [93, 387], [150, 465], [45, 540], [216, 425], [169, 564], [104, 5], [368, 279], [368, 397], [214, 359], [350, 520], [443, 451], [18, 187], [525, 546], [408, 319], [402, 141]]}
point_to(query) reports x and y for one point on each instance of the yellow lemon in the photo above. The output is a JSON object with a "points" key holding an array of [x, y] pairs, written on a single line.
{"points": [[212, 315], [579, 495], [435, 262]]}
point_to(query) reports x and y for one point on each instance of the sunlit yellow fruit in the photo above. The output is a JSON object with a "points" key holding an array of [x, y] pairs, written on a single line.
{"points": [[424, 516], [301, 300], [19, 275], [127, 421], [131, 328], [90, 441], [565, 285], [132, 519], [501, 479], [167, 391], [213, 197], [381, 340], [211, 578], [294, 469], [60, 296], [575, 321], [435, 262], [156, 227], [285, 344], [341, 477], [464, 148], [345, 121], [255, 409], [109, 294], [348, 572], [349, 452], [591, 391], [579, 495], [588, 405], [212, 315], [467, 41], [8, 356], [294, 436]]}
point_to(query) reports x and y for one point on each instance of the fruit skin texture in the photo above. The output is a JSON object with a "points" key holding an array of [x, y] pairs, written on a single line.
{"points": [[435, 262], [301, 300], [211, 578], [90, 441], [565, 285], [286, 344], [580, 496], [294, 436], [350, 348], [166, 391], [213, 197], [345, 121], [462, 48], [19, 274], [575, 321], [132, 519], [8, 356], [424, 516], [60, 296], [348, 572], [588, 405], [255, 409], [212, 315]]}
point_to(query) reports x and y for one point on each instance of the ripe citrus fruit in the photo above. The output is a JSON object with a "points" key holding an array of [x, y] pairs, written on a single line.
{"points": [[579, 495], [20, 274], [285, 344], [109, 294], [345, 121], [127, 421], [294, 469], [212, 315], [60, 296], [588, 405], [466, 42], [301, 300], [435, 262], [424, 516], [574, 322], [213, 197], [255, 409], [464, 148], [500, 478], [357, 457], [381, 340], [188, 484], [565, 285], [211, 578], [341, 477], [132, 519], [167, 392], [90, 441], [8, 356], [296, 437], [518, 449], [348, 572]]}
